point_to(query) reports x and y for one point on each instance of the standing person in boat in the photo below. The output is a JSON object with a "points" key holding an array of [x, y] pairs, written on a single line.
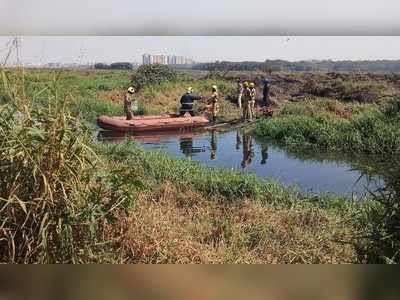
{"points": [[187, 101], [246, 102], [129, 102], [213, 103], [253, 99]]}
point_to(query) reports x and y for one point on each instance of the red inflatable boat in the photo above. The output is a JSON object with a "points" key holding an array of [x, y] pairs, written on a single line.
{"points": [[150, 123]]}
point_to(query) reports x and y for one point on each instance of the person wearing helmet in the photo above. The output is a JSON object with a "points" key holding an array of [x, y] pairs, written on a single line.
{"points": [[240, 92], [212, 103], [246, 98], [129, 102], [187, 101], [265, 101], [252, 87]]}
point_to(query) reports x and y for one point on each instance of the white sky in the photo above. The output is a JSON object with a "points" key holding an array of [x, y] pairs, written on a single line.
{"points": [[207, 30], [81, 49], [199, 17]]}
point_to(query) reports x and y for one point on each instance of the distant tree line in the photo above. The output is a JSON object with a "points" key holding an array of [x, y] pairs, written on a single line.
{"points": [[114, 66], [376, 66]]}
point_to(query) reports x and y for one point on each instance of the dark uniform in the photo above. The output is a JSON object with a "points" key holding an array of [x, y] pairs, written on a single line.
{"points": [[187, 102], [266, 93], [187, 148], [264, 154], [238, 140], [213, 144]]}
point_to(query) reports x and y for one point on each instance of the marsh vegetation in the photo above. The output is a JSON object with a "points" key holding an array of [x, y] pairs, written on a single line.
{"points": [[66, 198]]}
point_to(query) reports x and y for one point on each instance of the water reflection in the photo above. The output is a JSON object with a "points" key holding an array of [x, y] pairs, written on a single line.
{"points": [[213, 145], [310, 171], [248, 149], [187, 148], [264, 154], [238, 140]]}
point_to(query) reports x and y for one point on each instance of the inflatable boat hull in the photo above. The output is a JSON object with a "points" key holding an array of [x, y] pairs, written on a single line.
{"points": [[150, 123]]}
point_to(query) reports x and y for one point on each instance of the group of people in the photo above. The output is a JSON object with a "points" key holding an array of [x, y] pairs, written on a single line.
{"points": [[246, 101], [187, 102], [247, 98]]}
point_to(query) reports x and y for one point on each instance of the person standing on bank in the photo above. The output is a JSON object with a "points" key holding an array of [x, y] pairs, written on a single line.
{"points": [[253, 99], [129, 102], [240, 92], [246, 102], [187, 101], [266, 87], [213, 103]]}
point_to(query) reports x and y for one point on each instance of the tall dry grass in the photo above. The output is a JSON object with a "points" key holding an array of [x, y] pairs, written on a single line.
{"points": [[52, 206]]}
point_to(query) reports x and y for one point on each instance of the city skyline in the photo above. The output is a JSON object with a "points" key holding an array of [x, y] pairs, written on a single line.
{"points": [[148, 59], [82, 50]]}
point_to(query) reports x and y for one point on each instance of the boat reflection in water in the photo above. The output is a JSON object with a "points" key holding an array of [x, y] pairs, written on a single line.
{"points": [[117, 137]]}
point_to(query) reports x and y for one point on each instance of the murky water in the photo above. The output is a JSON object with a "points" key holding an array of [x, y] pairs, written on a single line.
{"points": [[238, 150]]}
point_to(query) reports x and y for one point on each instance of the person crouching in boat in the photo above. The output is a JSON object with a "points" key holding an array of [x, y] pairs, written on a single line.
{"points": [[187, 101], [129, 102], [212, 103]]}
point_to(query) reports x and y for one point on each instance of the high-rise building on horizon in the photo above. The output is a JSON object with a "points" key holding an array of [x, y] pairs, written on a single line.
{"points": [[149, 59]]}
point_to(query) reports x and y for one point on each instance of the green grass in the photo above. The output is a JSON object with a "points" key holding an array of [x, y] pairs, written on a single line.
{"points": [[372, 131], [64, 198]]}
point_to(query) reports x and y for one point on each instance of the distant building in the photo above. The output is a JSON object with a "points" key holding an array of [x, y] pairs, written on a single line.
{"points": [[148, 59]]}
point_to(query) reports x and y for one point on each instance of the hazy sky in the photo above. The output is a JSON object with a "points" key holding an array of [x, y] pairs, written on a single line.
{"points": [[199, 17], [81, 49], [120, 30]]}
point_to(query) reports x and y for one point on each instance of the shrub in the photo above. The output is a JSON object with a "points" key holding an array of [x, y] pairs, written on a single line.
{"points": [[151, 75], [380, 222]]}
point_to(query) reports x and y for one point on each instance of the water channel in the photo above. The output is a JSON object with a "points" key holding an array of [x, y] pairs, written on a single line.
{"points": [[311, 172]]}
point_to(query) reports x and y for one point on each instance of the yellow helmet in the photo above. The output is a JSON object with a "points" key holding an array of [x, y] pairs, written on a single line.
{"points": [[245, 84], [189, 89], [214, 87], [131, 90], [252, 84]]}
